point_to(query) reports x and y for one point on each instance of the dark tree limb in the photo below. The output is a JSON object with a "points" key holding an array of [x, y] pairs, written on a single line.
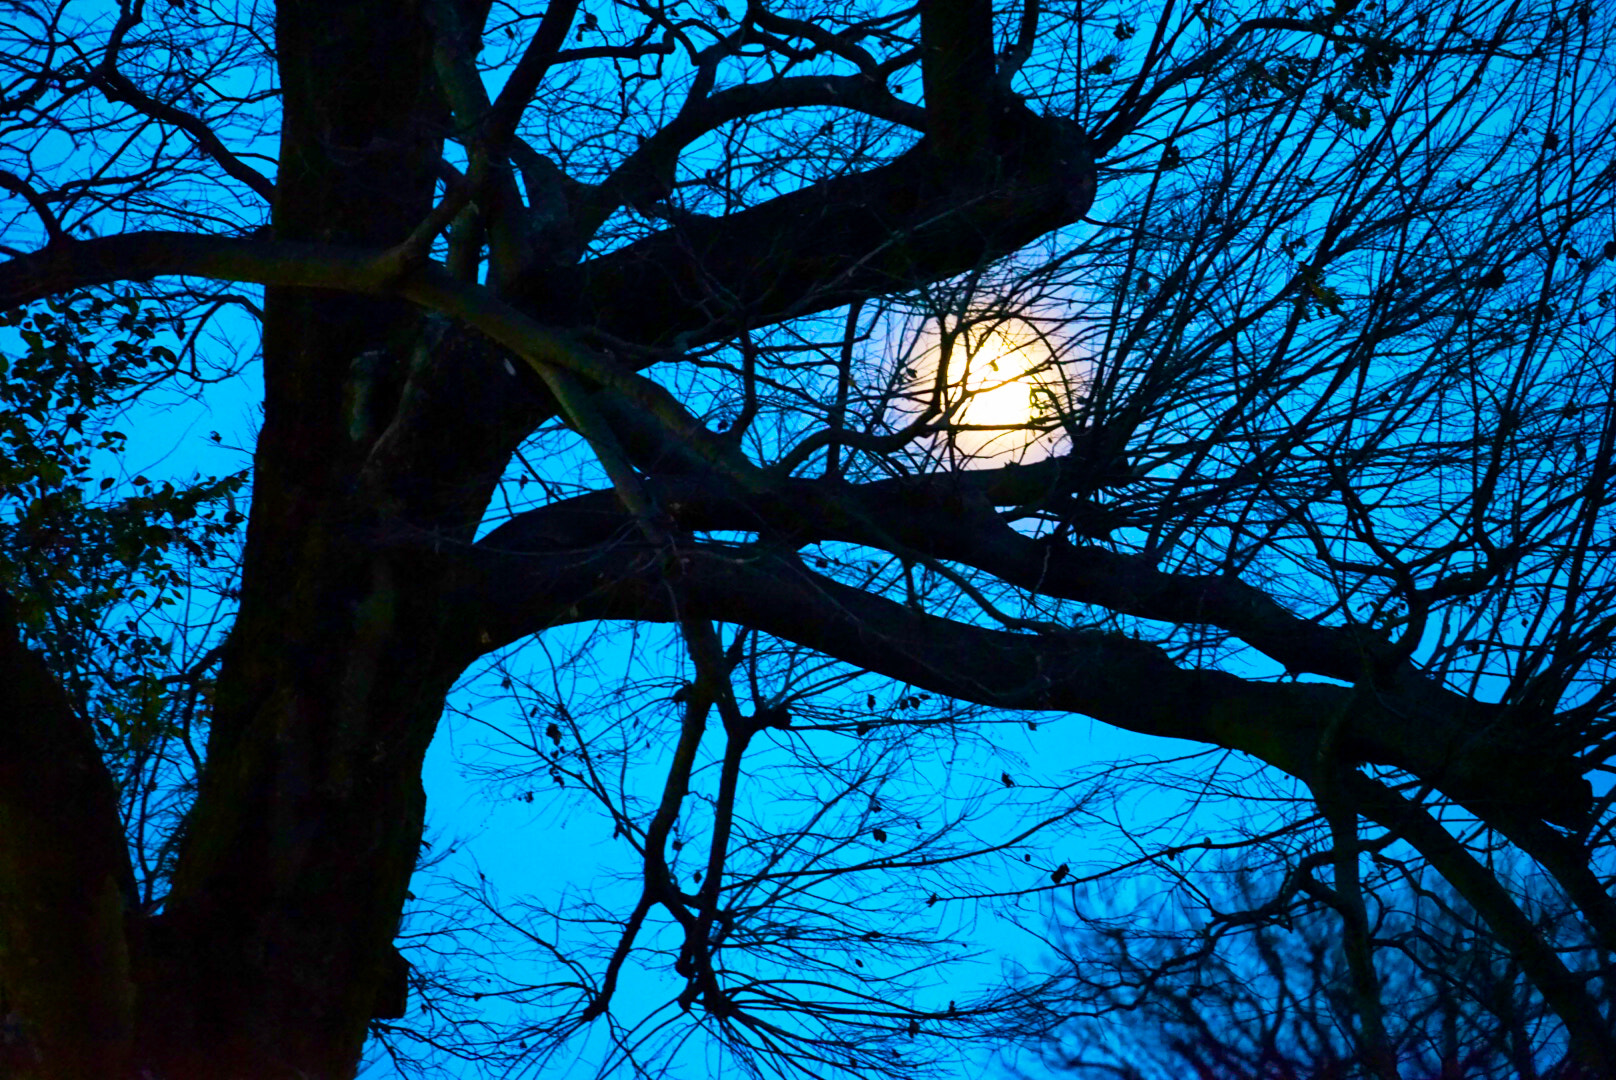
{"points": [[898, 225], [66, 885], [117, 87], [508, 587], [957, 71], [1592, 1045], [888, 228], [951, 518], [647, 174]]}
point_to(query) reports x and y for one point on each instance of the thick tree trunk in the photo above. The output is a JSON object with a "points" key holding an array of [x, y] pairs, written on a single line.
{"points": [[274, 950]]}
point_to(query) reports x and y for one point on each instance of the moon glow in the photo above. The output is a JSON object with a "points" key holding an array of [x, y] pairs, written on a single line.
{"points": [[1002, 382]]}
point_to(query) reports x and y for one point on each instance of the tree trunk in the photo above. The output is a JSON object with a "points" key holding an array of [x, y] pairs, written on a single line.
{"points": [[275, 948]]}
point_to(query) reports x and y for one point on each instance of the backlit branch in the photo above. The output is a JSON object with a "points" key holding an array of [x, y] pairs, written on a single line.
{"points": [[509, 592]]}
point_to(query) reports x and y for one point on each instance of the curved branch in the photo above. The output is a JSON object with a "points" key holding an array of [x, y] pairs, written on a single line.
{"points": [[648, 172], [1016, 56], [1567, 862], [905, 223], [914, 220], [22, 189], [512, 584], [524, 81], [1592, 1044], [950, 517], [1137, 101], [117, 87], [821, 38]]}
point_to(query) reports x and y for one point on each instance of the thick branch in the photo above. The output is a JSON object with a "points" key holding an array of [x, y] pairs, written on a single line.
{"points": [[141, 256], [117, 87], [61, 268], [951, 518], [882, 230], [1592, 1044], [1567, 861], [957, 69], [21, 188], [524, 81], [513, 585], [886, 229]]}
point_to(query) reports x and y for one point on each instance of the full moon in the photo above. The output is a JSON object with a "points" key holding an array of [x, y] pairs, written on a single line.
{"points": [[997, 377]]}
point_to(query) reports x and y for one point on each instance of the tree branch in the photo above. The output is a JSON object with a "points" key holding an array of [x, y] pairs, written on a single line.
{"points": [[512, 584], [1591, 1042], [524, 81], [891, 227], [911, 221], [117, 87], [951, 518], [648, 172], [956, 43], [22, 189]]}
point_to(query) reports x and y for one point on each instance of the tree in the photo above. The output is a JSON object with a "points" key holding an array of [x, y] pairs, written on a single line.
{"points": [[1262, 989], [1311, 307]]}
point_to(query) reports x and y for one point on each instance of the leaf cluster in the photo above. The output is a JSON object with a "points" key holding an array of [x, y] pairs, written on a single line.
{"points": [[90, 557]]}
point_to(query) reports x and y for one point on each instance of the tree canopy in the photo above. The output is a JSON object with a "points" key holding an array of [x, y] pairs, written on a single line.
{"points": [[895, 380]]}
